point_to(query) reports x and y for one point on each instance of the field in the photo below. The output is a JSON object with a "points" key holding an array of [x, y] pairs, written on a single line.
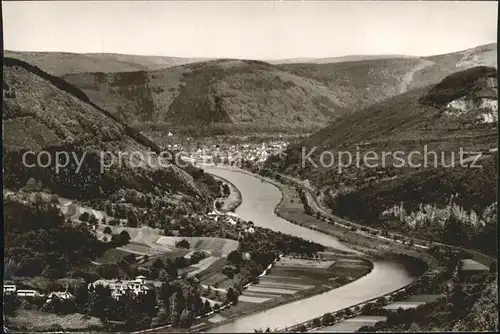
{"points": [[215, 246], [32, 321], [148, 241], [293, 279], [352, 324], [423, 298]]}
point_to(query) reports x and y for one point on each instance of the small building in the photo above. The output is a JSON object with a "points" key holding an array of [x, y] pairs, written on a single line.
{"points": [[29, 293], [9, 289], [60, 294]]}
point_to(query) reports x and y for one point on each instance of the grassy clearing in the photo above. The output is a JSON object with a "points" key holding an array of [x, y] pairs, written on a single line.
{"points": [[216, 246], [112, 255]]}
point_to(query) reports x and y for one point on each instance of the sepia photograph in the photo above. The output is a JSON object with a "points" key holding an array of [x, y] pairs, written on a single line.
{"points": [[274, 166]]}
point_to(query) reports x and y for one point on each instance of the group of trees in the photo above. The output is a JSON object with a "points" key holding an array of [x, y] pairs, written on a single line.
{"points": [[177, 302], [38, 241], [169, 269], [473, 189]]}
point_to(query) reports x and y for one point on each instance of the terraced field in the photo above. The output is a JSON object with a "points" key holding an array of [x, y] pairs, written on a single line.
{"points": [[215, 246], [290, 276], [148, 241]]}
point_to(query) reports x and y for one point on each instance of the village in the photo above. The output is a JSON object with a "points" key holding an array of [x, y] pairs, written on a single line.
{"points": [[230, 154]]}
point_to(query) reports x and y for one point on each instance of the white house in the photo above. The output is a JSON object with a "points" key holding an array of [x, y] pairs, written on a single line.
{"points": [[119, 288]]}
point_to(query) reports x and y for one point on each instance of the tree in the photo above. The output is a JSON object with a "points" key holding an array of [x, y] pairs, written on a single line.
{"points": [[182, 244], [226, 190], [454, 233], [114, 222], [171, 269], [107, 230], [84, 217], [81, 297], [129, 258], [493, 267], [38, 199], [234, 257], [93, 220], [228, 271], [11, 304], [232, 296], [100, 302], [207, 308], [316, 322], [327, 319], [123, 238], [59, 306], [132, 220]]}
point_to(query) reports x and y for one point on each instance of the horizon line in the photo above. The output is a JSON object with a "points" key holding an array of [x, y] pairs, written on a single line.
{"points": [[246, 58]]}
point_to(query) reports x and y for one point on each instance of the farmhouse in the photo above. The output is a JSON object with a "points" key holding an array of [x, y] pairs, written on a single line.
{"points": [[119, 287]]}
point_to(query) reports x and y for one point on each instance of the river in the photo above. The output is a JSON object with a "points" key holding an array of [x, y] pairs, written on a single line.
{"points": [[259, 200]]}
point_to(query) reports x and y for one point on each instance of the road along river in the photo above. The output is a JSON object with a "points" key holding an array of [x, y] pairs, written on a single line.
{"points": [[259, 200]]}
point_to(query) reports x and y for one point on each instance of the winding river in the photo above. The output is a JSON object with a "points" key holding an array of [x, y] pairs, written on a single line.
{"points": [[259, 200]]}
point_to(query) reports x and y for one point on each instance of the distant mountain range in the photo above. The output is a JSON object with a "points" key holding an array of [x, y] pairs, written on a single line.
{"points": [[328, 60], [250, 94], [59, 63]]}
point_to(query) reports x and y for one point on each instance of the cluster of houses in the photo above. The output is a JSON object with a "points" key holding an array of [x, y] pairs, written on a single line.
{"points": [[12, 289], [118, 288], [232, 219], [235, 153]]}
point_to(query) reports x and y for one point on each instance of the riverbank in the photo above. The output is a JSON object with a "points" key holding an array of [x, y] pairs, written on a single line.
{"points": [[355, 272], [262, 202], [233, 200]]}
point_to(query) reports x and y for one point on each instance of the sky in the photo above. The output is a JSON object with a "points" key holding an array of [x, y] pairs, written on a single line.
{"points": [[249, 29]]}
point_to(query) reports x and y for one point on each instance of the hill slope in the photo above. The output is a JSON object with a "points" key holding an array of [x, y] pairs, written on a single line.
{"points": [[44, 113], [250, 95], [359, 84], [425, 182], [59, 63], [246, 93]]}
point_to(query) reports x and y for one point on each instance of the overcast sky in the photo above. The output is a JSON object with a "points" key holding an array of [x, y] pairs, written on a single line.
{"points": [[259, 30]]}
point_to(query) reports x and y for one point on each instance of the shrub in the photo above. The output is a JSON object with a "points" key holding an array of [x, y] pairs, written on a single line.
{"points": [[84, 217], [183, 244]]}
